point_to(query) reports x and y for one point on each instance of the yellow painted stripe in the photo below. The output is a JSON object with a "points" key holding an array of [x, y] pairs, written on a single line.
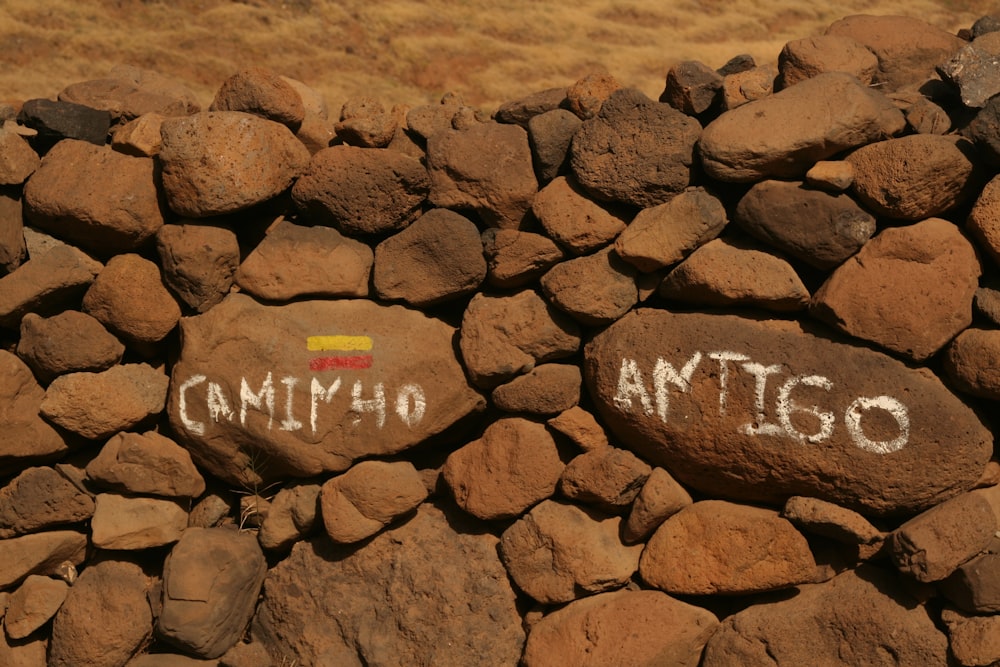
{"points": [[343, 343]]}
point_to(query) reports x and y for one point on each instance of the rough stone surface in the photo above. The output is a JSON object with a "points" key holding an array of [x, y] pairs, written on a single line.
{"points": [[129, 92], [295, 261], [401, 600], [581, 427], [45, 283], [27, 437], [45, 344], [973, 640], [130, 523], [365, 122], [147, 463], [211, 581], [783, 135], [972, 362], [575, 222], [861, 617], [559, 552], [894, 440], [974, 70], [55, 120], [595, 289], [292, 514], [129, 297], [522, 110], [830, 520], [587, 96], [659, 498], [39, 553], [513, 466], [544, 390], [802, 59], [260, 91], [139, 137], [38, 499], [755, 83], [368, 497], [17, 159], [908, 290], [635, 150], [198, 261], [975, 585], [692, 87], [984, 220], [551, 135], [515, 258], [32, 605], [608, 478], [12, 246], [624, 628], [831, 175]]}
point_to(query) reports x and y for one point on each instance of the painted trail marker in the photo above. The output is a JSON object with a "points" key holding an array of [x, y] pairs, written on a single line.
{"points": [[350, 352]]}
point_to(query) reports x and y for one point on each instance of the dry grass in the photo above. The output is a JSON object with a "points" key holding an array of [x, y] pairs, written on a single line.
{"points": [[412, 51]]}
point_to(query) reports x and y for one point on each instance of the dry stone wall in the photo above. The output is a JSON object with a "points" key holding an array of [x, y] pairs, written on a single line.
{"points": [[594, 379]]}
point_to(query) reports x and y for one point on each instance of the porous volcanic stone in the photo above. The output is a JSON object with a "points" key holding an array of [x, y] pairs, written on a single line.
{"points": [[973, 640], [984, 219], [739, 408], [551, 135], [368, 497], [33, 604], [692, 87], [596, 289], [544, 390], [39, 553], [831, 520], [581, 428], [296, 390], [972, 362], [660, 498], [260, 91], [12, 247], [365, 122], [17, 159], [139, 137], [47, 282], [974, 70], [38, 499], [66, 343], [27, 437], [573, 220], [802, 59], [199, 262], [516, 258], [607, 478], [293, 513], [753, 84], [129, 297], [522, 110], [128, 92], [130, 523], [146, 463], [586, 96]]}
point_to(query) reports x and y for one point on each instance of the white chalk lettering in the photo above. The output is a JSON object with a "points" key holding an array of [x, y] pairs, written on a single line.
{"points": [[218, 406], [375, 405], [317, 393], [196, 427], [786, 407], [663, 373], [289, 423], [852, 418], [265, 397], [411, 393], [630, 384], [760, 426], [722, 357]]}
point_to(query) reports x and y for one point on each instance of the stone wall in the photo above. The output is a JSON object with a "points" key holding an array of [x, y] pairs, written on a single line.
{"points": [[594, 379]]}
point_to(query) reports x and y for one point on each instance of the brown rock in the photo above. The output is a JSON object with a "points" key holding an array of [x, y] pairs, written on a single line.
{"points": [[805, 58], [580, 427], [972, 362], [130, 394], [635, 150], [402, 600], [147, 463], [663, 235], [316, 133], [428, 119], [831, 520], [157, 84], [513, 466], [551, 135], [17, 159], [130, 523], [586, 97], [221, 162], [660, 498], [139, 137], [516, 258], [260, 91], [175, 660], [607, 478], [984, 131], [726, 272], [129, 297], [105, 619], [713, 547], [975, 585], [436, 259], [914, 177], [575, 222], [32, 605], [39, 553], [341, 183], [67, 343], [559, 552], [973, 70], [55, 120], [761, 411], [830, 175], [486, 168], [908, 290], [117, 208], [23, 653], [974, 640], [749, 85], [129, 92], [12, 250], [785, 134], [522, 110], [624, 628], [294, 261], [199, 262], [263, 392], [984, 220], [505, 336], [368, 497], [818, 228], [544, 390], [26, 436], [39, 499], [293, 512], [594, 290], [926, 117], [47, 282], [861, 617], [365, 122], [211, 580], [692, 87]]}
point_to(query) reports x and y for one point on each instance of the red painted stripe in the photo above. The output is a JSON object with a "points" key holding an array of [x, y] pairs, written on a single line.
{"points": [[356, 362]]}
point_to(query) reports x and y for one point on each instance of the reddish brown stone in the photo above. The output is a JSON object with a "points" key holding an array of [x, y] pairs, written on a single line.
{"points": [[581, 428], [972, 362], [522, 110], [129, 92], [660, 498], [199, 262], [12, 246], [32, 605], [974, 640], [551, 135], [126, 523], [984, 220], [129, 297], [365, 122], [586, 96], [27, 437], [749, 85], [692, 87], [17, 159], [830, 175], [293, 513], [544, 390], [594, 290], [147, 463], [39, 553], [44, 347], [575, 222], [805, 58], [608, 478], [831, 520], [39, 499], [260, 91], [516, 258], [428, 119], [368, 497], [139, 137], [49, 281]]}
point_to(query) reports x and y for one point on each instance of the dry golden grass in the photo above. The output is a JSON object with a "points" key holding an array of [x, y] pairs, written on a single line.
{"points": [[413, 51]]}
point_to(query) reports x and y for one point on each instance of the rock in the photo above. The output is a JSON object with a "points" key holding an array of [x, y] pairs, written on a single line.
{"points": [[41, 499], [436, 259], [984, 25], [818, 228], [783, 135], [131, 523], [294, 261], [117, 208], [219, 162], [45, 283], [973, 640], [581, 428], [752, 84], [972, 362], [586, 97], [173, 660], [17, 159], [521, 111], [131, 393], [139, 137], [105, 619], [659, 498], [211, 580], [515, 258], [55, 121], [863, 431], [984, 131], [973, 70], [12, 248], [621, 628], [29, 652], [926, 117], [914, 177], [129, 92], [486, 168], [718, 548], [505, 336], [635, 150], [340, 184], [39, 553], [428, 119], [312, 100], [830, 520], [802, 59], [199, 262], [551, 135], [607, 478], [245, 655], [974, 586], [264, 392], [575, 222], [129, 297], [908, 49], [559, 552], [983, 222], [32, 605], [594, 290], [27, 437], [368, 497], [726, 272], [316, 133], [211, 511], [512, 467], [861, 617], [365, 122], [397, 595], [692, 87], [544, 390], [67, 343], [737, 64], [663, 235], [293, 512], [908, 290], [147, 463], [261, 92]]}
